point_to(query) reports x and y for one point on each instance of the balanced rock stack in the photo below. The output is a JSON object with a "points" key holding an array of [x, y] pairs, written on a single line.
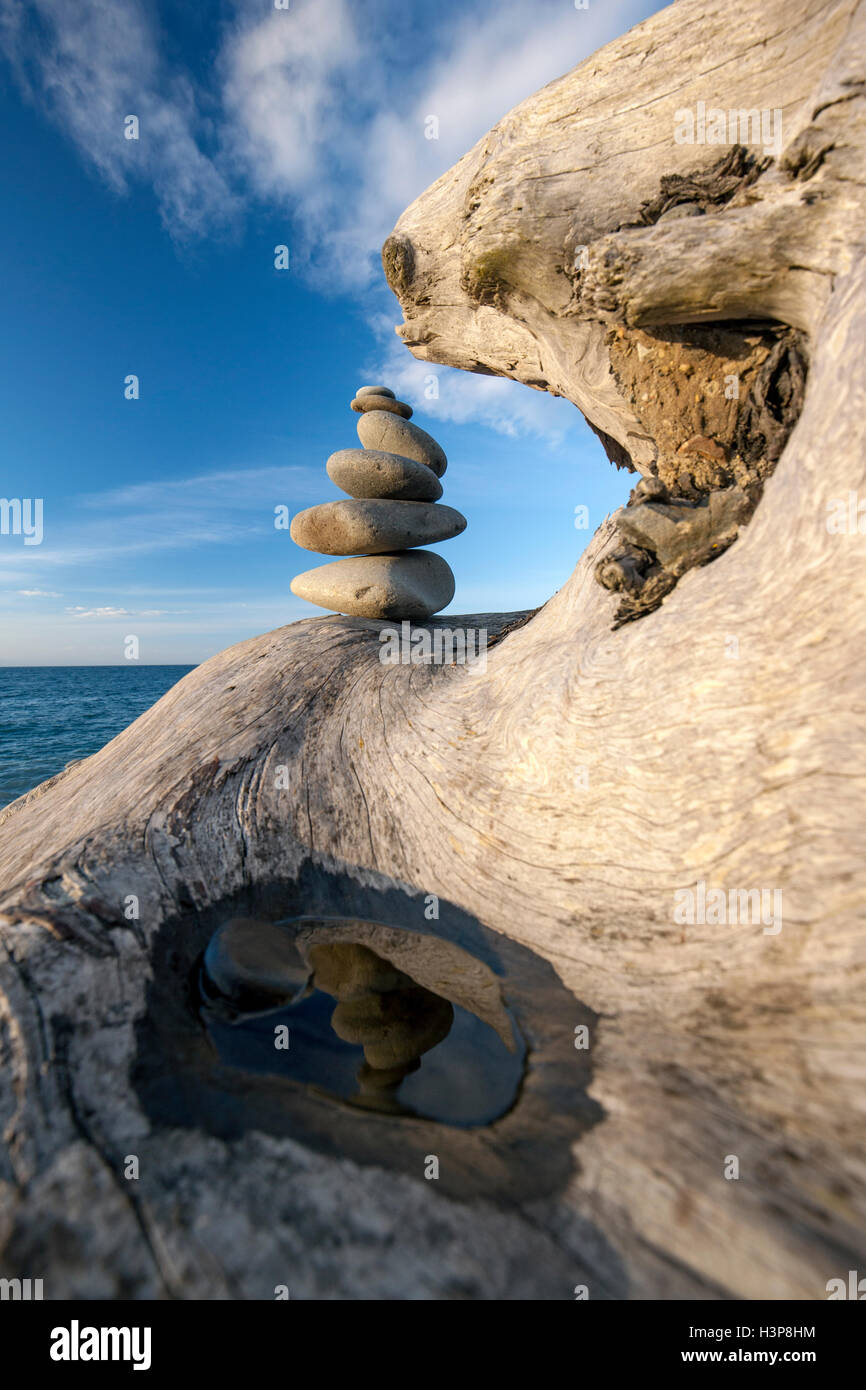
{"points": [[393, 486]]}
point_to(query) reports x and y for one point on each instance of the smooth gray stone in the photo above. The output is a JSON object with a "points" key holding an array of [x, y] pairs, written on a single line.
{"points": [[371, 473], [379, 430], [248, 956], [363, 403], [374, 391], [414, 584], [373, 526]]}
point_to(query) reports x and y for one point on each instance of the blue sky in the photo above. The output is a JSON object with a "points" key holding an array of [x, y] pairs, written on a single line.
{"points": [[155, 257]]}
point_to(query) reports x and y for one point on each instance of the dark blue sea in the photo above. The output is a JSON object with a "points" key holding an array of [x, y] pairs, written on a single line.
{"points": [[52, 714]]}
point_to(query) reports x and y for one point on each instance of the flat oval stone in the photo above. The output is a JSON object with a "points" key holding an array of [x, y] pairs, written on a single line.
{"points": [[416, 584], [371, 473], [374, 391], [377, 429], [363, 403], [373, 526]]}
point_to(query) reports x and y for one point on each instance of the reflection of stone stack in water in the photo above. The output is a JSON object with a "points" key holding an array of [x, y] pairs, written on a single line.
{"points": [[285, 998], [393, 486], [383, 1010]]}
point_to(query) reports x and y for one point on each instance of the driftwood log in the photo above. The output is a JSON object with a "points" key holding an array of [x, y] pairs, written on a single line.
{"points": [[565, 799]]}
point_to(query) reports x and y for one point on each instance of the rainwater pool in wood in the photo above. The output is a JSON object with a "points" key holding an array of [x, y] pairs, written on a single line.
{"points": [[341, 1019], [325, 1010]]}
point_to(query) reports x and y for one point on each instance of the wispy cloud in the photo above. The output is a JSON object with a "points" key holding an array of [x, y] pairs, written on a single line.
{"points": [[237, 489], [80, 545], [106, 612], [93, 63], [300, 67], [39, 593], [227, 507], [321, 108], [331, 121]]}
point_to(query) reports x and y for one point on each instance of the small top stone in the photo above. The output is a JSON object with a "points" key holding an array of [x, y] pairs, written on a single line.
{"points": [[362, 403], [374, 391]]}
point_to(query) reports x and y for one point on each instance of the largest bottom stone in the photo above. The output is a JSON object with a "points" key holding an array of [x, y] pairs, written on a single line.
{"points": [[407, 584]]}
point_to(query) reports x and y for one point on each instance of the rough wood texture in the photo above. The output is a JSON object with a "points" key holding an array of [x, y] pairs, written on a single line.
{"points": [[561, 798]]}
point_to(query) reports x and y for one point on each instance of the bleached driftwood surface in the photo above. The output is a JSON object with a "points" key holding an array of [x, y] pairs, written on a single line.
{"points": [[563, 797]]}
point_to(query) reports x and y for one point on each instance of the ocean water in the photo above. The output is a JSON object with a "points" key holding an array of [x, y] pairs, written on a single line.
{"points": [[52, 714]]}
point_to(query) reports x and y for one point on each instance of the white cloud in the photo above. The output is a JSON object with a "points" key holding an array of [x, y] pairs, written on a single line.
{"points": [[284, 77], [310, 109], [79, 612], [93, 63], [39, 593], [322, 120]]}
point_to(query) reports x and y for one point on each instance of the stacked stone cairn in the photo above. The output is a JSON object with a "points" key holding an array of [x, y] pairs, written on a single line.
{"points": [[394, 489]]}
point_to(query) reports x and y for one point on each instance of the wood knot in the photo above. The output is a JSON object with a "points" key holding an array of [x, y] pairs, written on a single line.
{"points": [[398, 261]]}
